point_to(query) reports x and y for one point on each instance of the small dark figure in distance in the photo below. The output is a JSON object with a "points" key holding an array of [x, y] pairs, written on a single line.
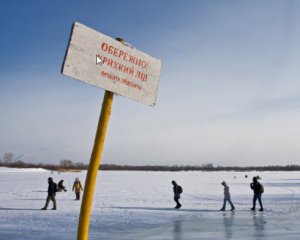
{"points": [[77, 187], [61, 186], [52, 189], [258, 190], [226, 197], [177, 191]]}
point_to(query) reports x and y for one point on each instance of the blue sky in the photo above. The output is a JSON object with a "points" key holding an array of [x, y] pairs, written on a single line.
{"points": [[229, 90]]}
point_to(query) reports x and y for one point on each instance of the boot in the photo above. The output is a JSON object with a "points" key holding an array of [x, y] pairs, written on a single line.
{"points": [[178, 206]]}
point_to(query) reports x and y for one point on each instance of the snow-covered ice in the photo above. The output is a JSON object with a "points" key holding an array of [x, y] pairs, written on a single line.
{"points": [[139, 205]]}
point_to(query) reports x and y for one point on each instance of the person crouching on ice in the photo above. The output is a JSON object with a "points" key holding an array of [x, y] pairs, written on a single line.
{"points": [[77, 187], [177, 191], [61, 186], [226, 197]]}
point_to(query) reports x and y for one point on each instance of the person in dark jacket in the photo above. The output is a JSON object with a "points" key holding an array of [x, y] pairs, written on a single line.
{"points": [[61, 186], [177, 192], [226, 197], [258, 190], [52, 187]]}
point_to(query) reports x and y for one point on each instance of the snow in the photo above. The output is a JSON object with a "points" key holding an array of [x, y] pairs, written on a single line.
{"points": [[139, 205], [22, 170]]}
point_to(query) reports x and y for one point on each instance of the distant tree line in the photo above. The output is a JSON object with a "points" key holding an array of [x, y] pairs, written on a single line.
{"points": [[8, 160], [176, 168]]}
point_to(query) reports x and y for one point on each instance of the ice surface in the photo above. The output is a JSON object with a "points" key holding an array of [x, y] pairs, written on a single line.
{"points": [[139, 205]]}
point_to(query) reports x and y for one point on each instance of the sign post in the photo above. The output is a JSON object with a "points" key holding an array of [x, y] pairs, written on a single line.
{"points": [[91, 177], [99, 60]]}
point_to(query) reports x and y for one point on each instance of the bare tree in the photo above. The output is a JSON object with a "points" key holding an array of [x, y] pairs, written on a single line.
{"points": [[8, 158], [66, 163]]}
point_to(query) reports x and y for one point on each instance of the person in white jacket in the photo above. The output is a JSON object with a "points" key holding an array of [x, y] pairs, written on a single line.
{"points": [[226, 197]]}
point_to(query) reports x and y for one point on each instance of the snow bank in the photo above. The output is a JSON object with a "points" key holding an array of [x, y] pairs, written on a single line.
{"points": [[21, 170]]}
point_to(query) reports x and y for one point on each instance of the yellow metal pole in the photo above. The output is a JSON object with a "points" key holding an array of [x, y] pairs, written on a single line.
{"points": [[90, 182]]}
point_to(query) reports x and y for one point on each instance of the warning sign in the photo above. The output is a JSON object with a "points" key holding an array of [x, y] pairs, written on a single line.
{"points": [[102, 61]]}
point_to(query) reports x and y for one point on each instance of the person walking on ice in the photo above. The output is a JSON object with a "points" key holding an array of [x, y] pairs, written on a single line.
{"points": [[177, 191], [226, 197], [52, 189], [258, 190], [78, 188]]}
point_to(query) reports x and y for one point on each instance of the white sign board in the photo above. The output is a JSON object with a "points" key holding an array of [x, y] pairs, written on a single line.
{"points": [[102, 61]]}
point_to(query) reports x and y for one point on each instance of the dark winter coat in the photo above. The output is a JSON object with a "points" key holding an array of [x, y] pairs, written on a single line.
{"points": [[226, 192], [52, 188], [256, 187], [61, 184], [176, 191]]}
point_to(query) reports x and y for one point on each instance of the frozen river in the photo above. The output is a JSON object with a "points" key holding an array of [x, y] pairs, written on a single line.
{"points": [[139, 205]]}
